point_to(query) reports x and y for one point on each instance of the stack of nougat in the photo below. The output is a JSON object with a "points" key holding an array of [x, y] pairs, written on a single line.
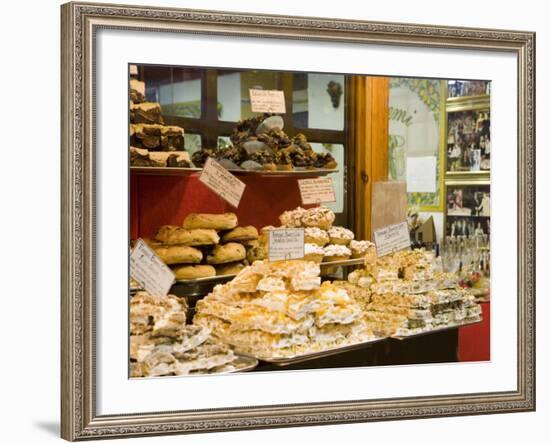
{"points": [[409, 295], [152, 143], [204, 245], [323, 242], [281, 309], [162, 344]]}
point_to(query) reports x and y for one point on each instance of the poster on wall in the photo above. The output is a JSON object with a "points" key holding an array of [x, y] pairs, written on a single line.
{"points": [[414, 139]]}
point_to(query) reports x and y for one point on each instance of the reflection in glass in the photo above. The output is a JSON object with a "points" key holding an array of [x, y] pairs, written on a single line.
{"points": [[178, 90], [318, 101], [337, 152], [193, 143], [233, 95]]}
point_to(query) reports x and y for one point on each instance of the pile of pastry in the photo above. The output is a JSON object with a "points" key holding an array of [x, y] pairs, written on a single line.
{"points": [[281, 309], [259, 143], [408, 295], [152, 143], [324, 242], [204, 245], [162, 344]]}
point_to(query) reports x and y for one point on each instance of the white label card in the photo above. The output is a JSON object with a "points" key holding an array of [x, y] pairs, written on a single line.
{"points": [[271, 101], [149, 270], [222, 182], [286, 244], [421, 174], [392, 238], [316, 190]]}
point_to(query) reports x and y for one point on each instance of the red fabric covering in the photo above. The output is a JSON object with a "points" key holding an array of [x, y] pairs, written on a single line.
{"points": [[474, 342], [163, 200]]}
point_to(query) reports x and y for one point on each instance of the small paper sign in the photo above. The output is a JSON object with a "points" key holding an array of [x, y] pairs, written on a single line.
{"points": [[317, 190], [286, 244], [149, 270], [392, 238], [222, 182], [271, 101]]}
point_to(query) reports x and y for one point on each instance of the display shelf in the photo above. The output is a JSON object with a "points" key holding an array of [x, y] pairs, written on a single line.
{"points": [[296, 173], [199, 287], [467, 103], [435, 330], [286, 361]]}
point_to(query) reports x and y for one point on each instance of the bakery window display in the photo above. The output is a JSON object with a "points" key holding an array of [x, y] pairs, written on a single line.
{"points": [[281, 309], [205, 246], [260, 144], [152, 143], [285, 310], [257, 144], [162, 344], [409, 294]]}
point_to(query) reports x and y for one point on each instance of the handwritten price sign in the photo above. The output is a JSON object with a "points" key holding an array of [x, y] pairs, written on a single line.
{"points": [[149, 270], [222, 182]]}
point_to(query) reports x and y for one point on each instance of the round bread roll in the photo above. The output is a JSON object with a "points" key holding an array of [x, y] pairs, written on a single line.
{"points": [[340, 236], [219, 222], [319, 217], [258, 252], [175, 235], [313, 252], [359, 248], [227, 253], [176, 254], [336, 253], [229, 268], [250, 243], [316, 236], [190, 272], [241, 234]]}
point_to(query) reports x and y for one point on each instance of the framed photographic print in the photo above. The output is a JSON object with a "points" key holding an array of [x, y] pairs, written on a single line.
{"points": [[217, 200]]}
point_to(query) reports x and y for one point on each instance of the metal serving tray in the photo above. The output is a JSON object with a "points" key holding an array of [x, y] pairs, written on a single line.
{"points": [[285, 361], [435, 330]]}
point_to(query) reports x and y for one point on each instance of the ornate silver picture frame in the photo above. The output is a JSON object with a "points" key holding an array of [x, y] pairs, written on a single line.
{"points": [[80, 22]]}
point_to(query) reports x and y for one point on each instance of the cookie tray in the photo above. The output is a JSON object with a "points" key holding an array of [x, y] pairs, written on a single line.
{"points": [[285, 361], [152, 170], [435, 330]]}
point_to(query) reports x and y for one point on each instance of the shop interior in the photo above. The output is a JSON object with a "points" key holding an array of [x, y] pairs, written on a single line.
{"points": [[374, 153]]}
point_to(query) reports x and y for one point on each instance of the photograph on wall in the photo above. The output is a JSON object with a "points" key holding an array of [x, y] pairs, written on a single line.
{"points": [[246, 253], [469, 141]]}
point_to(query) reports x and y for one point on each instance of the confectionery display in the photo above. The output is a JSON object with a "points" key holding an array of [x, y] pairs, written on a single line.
{"points": [[281, 309], [161, 343], [260, 144], [231, 307], [205, 245], [409, 295], [152, 143], [257, 144]]}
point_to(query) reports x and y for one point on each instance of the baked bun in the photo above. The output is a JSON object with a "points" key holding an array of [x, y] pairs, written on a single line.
{"points": [[360, 248], [227, 253], [190, 272], [229, 268], [241, 234], [219, 222], [174, 235], [175, 254], [313, 252], [316, 236], [340, 236], [336, 253]]}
